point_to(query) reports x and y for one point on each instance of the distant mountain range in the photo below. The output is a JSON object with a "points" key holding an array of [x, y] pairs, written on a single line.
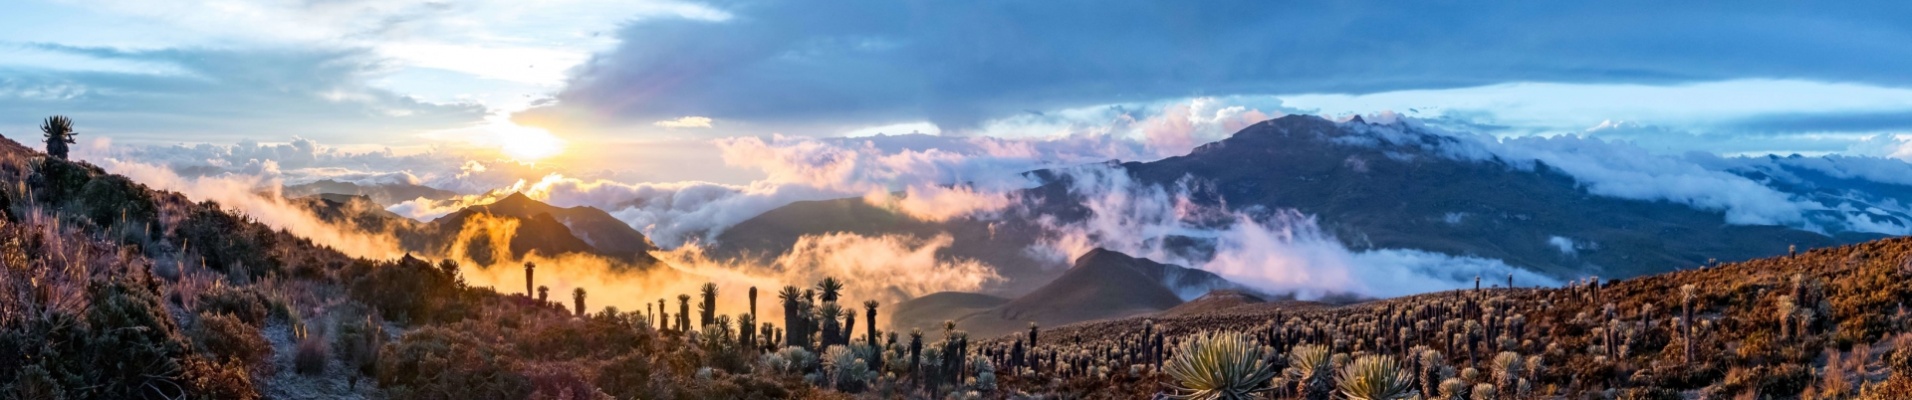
{"points": [[1367, 193], [382, 193]]}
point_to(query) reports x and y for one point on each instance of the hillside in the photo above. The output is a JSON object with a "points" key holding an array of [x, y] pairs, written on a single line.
{"points": [[1820, 324]]}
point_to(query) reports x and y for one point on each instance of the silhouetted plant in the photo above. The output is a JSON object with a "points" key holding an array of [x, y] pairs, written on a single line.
{"points": [[577, 297], [58, 133], [707, 308], [830, 288], [529, 270]]}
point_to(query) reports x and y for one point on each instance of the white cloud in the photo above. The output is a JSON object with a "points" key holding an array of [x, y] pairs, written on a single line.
{"points": [[685, 122]]}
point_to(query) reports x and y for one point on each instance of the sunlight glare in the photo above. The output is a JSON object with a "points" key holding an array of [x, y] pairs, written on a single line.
{"points": [[526, 144]]}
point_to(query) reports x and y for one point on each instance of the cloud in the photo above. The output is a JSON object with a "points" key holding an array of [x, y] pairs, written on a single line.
{"points": [[1275, 251], [959, 64], [225, 95], [239, 192], [685, 122]]}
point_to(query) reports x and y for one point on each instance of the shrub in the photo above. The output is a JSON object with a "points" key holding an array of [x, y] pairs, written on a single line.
{"points": [[632, 376], [225, 337], [211, 380], [33, 382], [60, 180], [357, 347], [1220, 366], [244, 303], [134, 343], [111, 199], [311, 356], [435, 362], [411, 290]]}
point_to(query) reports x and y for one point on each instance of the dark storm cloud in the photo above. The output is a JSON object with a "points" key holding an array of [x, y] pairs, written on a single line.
{"points": [[955, 63], [222, 95]]}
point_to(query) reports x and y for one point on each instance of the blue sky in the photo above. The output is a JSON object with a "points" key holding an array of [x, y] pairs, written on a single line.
{"points": [[603, 81]]}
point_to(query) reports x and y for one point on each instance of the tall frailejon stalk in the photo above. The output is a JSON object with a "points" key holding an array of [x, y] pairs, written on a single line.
{"points": [[707, 309], [792, 330], [1688, 293], [577, 295], [869, 314], [870, 336], [683, 313], [529, 268]]}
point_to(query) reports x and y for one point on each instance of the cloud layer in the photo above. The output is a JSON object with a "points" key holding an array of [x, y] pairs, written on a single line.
{"points": [[800, 67]]}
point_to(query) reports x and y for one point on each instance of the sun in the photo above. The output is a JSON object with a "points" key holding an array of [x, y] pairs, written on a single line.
{"points": [[527, 144]]}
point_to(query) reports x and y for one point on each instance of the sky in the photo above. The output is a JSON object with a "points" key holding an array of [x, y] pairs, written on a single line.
{"points": [[645, 90], [685, 117]]}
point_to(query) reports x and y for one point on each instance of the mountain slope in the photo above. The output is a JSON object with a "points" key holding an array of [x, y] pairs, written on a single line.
{"points": [[1102, 284]]}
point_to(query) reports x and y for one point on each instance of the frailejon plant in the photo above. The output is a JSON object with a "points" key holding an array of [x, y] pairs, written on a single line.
{"points": [[1220, 366], [1376, 378], [1312, 370]]}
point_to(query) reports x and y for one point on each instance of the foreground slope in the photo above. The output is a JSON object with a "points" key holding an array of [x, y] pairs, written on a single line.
{"points": [[1821, 324]]}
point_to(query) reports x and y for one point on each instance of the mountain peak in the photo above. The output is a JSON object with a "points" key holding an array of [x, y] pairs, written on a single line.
{"points": [[515, 198]]}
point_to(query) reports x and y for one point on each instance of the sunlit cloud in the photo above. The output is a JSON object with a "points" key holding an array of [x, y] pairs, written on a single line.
{"points": [[685, 122]]}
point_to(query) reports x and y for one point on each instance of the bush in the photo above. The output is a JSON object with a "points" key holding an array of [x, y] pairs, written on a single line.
{"points": [[134, 343], [225, 337], [412, 291], [311, 356], [434, 362], [244, 303], [60, 180], [224, 240], [357, 347], [211, 380], [111, 199]]}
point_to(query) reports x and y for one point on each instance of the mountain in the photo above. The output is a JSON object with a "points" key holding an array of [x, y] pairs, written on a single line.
{"points": [[382, 193], [541, 228], [1102, 284], [1369, 186], [595, 227]]}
